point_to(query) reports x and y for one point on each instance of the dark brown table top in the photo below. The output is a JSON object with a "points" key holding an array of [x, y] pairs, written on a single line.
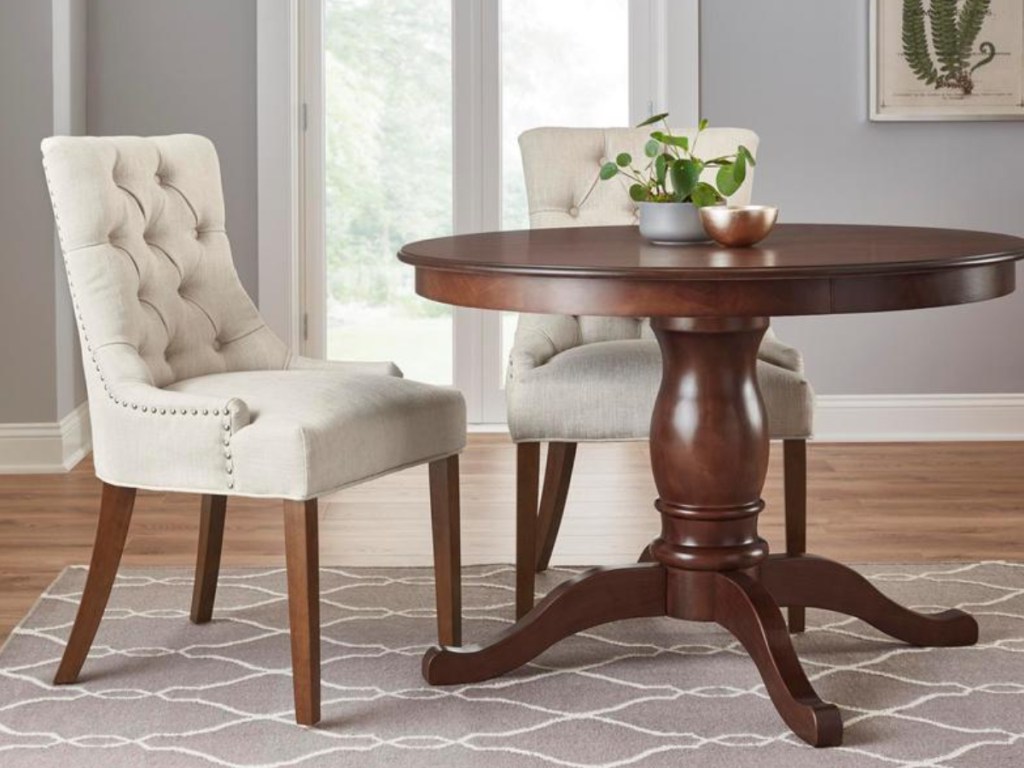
{"points": [[797, 269]]}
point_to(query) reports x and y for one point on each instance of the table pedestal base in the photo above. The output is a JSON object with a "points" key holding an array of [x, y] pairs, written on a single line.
{"points": [[746, 602], [709, 457]]}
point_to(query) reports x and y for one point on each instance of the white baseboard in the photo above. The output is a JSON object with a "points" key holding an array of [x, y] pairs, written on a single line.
{"points": [[45, 448], [918, 418], [58, 446], [905, 418]]}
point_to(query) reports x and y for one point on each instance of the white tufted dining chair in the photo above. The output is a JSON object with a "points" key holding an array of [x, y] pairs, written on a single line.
{"points": [[190, 391], [594, 379]]}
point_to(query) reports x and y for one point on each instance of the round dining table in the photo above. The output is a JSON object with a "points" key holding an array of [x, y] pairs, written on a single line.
{"points": [[709, 307]]}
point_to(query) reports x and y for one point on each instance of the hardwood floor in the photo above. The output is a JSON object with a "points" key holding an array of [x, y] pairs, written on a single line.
{"points": [[866, 503]]}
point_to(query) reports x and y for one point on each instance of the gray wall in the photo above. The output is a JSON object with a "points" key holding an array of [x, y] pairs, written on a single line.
{"points": [[69, 63], [797, 73], [27, 313], [187, 66]]}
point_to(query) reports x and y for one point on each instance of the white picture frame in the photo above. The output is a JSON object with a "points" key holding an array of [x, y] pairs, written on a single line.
{"points": [[987, 83]]}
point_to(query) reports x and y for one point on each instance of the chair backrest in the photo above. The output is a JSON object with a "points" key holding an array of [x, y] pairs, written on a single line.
{"points": [[560, 166], [141, 225]]}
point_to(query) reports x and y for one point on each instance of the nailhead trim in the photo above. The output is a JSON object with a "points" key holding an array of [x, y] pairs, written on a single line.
{"points": [[228, 465]]}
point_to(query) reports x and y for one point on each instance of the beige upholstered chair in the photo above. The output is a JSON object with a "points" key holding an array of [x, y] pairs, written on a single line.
{"points": [[190, 391], [589, 379]]}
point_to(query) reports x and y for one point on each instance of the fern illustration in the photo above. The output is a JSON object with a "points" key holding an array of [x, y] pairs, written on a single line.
{"points": [[954, 26], [915, 42]]}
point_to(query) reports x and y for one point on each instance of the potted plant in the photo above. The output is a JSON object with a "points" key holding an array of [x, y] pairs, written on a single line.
{"points": [[669, 189]]}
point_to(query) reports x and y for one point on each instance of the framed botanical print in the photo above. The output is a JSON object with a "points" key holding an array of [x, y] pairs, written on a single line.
{"points": [[947, 60]]}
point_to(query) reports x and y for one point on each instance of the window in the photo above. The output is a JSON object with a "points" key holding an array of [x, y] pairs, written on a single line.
{"points": [[417, 106]]}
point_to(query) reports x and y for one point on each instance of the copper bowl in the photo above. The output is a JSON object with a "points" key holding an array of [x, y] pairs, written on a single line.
{"points": [[738, 226]]}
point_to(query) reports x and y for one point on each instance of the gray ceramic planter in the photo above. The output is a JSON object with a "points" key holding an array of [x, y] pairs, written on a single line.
{"points": [[671, 223]]}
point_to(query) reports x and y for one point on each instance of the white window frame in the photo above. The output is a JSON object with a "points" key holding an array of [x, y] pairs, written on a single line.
{"points": [[291, 158]]}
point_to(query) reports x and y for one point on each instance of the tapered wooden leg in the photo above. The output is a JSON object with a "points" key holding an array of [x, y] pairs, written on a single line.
{"points": [[302, 557], [527, 481], [595, 597], [744, 607], [819, 583], [211, 540], [646, 556], [794, 456], [111, 532], [557, 474], [444, 517]]}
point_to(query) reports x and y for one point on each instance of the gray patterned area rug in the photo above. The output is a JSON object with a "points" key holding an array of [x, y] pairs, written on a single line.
{"points": [[652, 693]]}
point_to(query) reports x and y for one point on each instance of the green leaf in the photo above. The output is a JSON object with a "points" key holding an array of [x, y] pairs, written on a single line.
{"points": [[608, 171], [685, 175], [669, 139], [652, 120], [623, 159], [703, 124], [730, 177], [638, 192], [726, 180], [746, 154], [704, 194], [652, 148], [661, 168]]}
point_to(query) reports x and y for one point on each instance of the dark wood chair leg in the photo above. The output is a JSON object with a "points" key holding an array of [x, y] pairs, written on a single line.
{"points": [[444, 517], [527, 481], [111, 532], [557, 474], [302, 557], [211, 540], [794, 456]]}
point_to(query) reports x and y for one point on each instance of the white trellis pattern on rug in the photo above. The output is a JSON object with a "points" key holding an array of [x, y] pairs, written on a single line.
{"points": [[158, 691]]}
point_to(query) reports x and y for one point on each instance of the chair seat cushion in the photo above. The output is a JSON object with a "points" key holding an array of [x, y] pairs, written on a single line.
{"points": [[606, 390], [314, 431]]}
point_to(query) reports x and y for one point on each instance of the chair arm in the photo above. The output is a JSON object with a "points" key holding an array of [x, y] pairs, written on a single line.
{"points": [[784, 356], [148, 437], [147, 399], [539, 338], [375, 368]]}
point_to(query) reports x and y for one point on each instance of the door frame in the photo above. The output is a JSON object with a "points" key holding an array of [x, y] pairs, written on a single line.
{"points": [[290, 99]]}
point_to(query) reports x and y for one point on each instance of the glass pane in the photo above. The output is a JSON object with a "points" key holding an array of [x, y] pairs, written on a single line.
{"points": [[387, 76], [563, 63]]}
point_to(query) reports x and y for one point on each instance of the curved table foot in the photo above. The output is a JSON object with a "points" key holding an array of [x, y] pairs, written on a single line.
{"points": [[598, 596], [815, 582], [744, 607]]}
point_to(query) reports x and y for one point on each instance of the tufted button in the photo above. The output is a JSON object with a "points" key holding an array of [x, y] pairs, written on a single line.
{"points": [[195, 233], [158, 178], [574, 211], [217, 345]]}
